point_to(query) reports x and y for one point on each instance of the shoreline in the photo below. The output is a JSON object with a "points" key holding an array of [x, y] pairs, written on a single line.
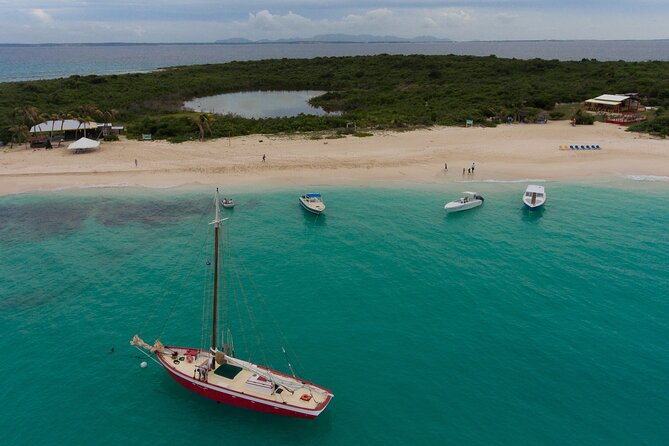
{"points": [[504, 154]]}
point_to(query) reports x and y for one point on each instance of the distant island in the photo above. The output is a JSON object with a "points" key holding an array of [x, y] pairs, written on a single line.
{"points": [[337, 38]]}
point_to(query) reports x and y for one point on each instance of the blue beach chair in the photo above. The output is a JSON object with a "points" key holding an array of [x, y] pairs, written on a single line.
{"points": [[571, 147], [587, 147]]}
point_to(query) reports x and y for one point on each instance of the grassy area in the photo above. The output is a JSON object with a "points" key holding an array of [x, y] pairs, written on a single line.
{"points": [[376, 92]]}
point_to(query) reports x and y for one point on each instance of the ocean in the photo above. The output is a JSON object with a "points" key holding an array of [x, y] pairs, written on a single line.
{"points": [[491, 326], [30, 62]]}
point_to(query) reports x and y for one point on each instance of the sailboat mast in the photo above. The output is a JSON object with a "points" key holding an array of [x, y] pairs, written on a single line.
{"points": [[217, 225]]}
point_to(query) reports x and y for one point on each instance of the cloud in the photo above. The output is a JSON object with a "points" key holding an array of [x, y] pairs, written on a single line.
{"points": [[457, 18], [506, 18], [42, 16], [266, 21], [208, 20]]}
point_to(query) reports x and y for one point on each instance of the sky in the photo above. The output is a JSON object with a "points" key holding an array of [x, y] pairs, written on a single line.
{"points": [[163, 21]]}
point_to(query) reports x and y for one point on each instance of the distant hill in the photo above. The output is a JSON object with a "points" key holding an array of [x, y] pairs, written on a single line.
{"points": [[338, 38]]}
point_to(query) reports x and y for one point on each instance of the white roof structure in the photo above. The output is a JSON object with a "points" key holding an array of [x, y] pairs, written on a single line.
{"points": [[608, 99], [65, 125], [83, 144]]}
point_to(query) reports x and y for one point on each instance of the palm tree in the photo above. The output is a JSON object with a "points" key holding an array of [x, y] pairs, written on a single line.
{"points": [[28, 115], [85, 115], [20, 133], [109, 115], [53, 117], [63, 117], [203, 122]]}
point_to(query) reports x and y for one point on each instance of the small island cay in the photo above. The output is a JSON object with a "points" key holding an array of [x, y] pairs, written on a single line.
{"points": [[220, 376], [312, 203], [534, 196]]}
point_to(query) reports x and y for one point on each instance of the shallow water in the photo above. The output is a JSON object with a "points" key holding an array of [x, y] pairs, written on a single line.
{"points": [[492, 326]]}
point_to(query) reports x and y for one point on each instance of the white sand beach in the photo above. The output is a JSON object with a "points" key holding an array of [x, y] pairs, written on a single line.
{"points": [[508, 152]]}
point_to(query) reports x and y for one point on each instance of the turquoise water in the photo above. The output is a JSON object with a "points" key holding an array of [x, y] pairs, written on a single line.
{"points": [[493, 326]]}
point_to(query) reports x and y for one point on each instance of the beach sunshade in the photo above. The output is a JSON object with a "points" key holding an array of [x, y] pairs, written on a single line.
{"points": [[84, 144]]}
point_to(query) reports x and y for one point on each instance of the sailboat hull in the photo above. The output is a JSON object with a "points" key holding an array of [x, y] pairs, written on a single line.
{"points": [[233, 398]]}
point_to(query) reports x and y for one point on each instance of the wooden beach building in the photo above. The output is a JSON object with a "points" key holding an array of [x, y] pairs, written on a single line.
{"points": [[614, 103], [618, 108]]}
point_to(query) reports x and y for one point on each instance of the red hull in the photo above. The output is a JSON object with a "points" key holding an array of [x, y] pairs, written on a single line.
{"points": [[237, 399]]}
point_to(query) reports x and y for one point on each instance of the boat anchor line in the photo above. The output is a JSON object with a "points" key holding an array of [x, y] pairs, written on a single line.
{"points": [[146, 354]]}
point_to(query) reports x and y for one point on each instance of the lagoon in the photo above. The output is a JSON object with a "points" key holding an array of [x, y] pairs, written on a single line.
{"points": [[259, 104]]}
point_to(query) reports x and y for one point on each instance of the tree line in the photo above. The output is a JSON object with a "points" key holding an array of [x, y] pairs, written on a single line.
{"points": [[383, 91]]}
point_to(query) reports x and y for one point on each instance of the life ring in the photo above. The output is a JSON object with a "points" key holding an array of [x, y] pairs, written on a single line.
{"points": [[305, 397], [176, 361]]}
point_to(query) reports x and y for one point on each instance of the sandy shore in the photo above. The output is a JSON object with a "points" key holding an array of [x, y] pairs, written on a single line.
{"points": [[508, 152]]}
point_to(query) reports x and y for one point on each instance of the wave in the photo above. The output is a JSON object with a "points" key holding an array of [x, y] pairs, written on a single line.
{"points": [[651, 178], [526, 180]]}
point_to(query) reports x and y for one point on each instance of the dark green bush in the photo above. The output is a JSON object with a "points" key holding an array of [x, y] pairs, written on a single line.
{"points": [[582, 118]]}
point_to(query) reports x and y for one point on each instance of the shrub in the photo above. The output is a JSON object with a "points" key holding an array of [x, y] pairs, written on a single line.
{"points": [[581, 118]]}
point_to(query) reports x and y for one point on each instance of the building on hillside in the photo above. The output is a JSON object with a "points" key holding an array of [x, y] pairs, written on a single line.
{"points": [[614, 103]]}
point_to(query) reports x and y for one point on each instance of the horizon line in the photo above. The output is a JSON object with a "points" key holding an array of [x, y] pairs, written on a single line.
{"points": [[307, 40]]}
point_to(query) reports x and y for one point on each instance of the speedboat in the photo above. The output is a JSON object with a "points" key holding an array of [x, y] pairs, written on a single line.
{"points": [[228, 203], [312, 203], [534, 196], [470, 200]]}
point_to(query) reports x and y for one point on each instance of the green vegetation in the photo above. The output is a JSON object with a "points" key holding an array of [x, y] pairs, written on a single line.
{"points": [[581, 118], [384, 91], [657, 125]]}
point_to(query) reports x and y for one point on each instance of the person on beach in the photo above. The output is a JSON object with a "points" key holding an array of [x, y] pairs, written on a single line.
{"points": [[446, 166], [135, 163], [472, 167], [263, 157], [469, 171], [463, 171]]}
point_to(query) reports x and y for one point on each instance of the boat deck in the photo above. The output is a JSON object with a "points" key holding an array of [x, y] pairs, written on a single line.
{"points": [[231, 377]]}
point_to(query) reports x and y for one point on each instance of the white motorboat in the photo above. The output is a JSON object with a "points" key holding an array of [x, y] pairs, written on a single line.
{"points": [[313, 203], [228, 203], [470, 200], [534, 196]]}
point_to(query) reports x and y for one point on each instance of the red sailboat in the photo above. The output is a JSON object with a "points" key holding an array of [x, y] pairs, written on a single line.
{"points": [[220, 376]]}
